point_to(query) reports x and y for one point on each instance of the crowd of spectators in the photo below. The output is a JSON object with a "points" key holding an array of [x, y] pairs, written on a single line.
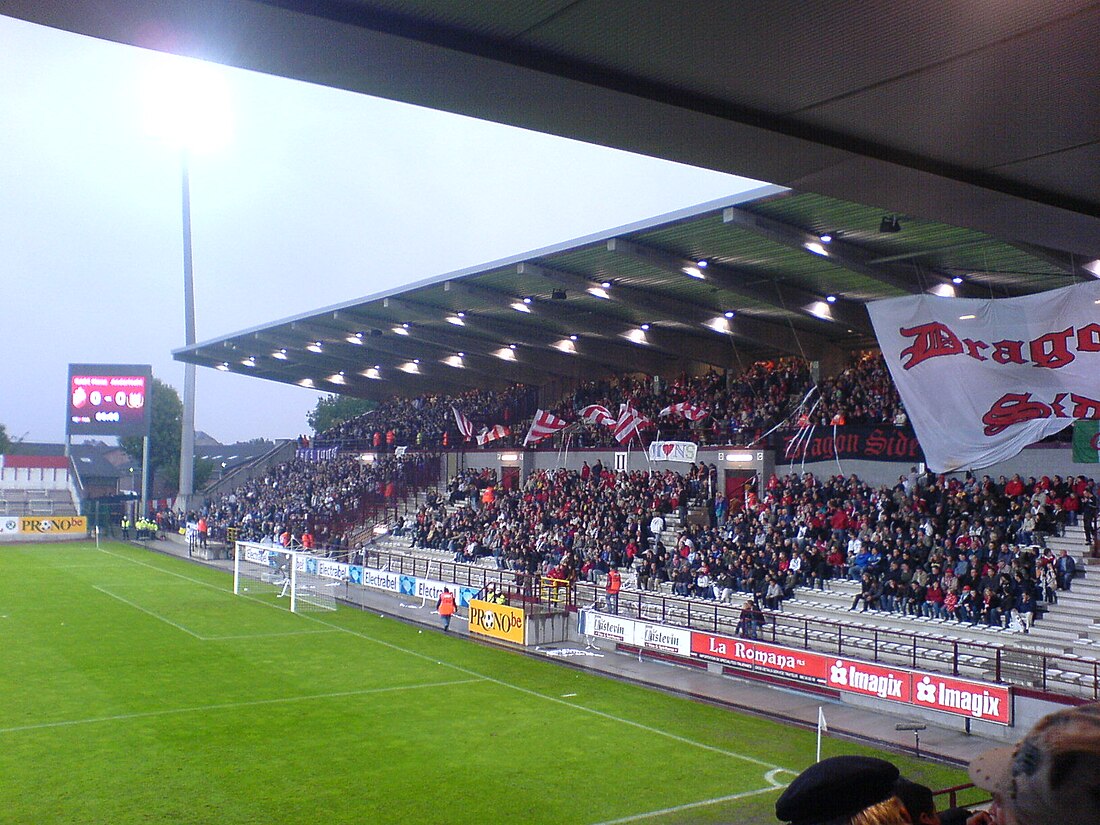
{"points": [[427, 421], [740, 407], [314, 504], [963, 549]]}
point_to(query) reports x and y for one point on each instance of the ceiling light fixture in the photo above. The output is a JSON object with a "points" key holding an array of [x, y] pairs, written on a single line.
{"points": [[957, 280], [831, 299], [356, 338], [825, 237], [729, 313], [599, 292], [316, 346], [224, 366], [402, 330], [693, 271], [280, 354], [456, 320], [816, 248], [520, 306], [306, 382]]}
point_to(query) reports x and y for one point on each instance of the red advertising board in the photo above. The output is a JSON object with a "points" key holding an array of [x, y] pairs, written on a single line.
{"points": [[961, 697], [781, 661]]}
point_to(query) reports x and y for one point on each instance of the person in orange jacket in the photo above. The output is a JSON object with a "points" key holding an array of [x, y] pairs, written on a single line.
{"points": [[446, 607], [614, 585]]}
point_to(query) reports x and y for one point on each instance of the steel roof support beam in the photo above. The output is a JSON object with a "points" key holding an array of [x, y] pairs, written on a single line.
{"points": [[745, 284]]}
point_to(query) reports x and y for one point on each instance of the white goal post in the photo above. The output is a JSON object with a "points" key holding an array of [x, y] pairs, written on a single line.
{"points": [[264, 571]]}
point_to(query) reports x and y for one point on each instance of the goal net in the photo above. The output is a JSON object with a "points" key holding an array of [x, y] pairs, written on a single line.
{"points": [[275, 573]]}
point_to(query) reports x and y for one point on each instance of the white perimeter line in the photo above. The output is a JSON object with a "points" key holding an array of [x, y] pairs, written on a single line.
{"points": [[483, 677], [147, 612], [231, 705]]}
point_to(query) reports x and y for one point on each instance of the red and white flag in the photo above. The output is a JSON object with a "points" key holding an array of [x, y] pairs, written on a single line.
{"points": [[597, 414], [543, 426], [628, 423], [465, 425], [492, 434], [686, 409]]}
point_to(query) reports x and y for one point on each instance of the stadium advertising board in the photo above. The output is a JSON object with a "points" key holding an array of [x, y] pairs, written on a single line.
{"points": [[9, 524], [641, 634], [498, 621], [961, 697], [109, 399], [54, 525]]}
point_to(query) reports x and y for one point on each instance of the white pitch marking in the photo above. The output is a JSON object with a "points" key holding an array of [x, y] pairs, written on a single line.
{"points": [[688, 806], [568, 695], [231, 705], [483, 677], [266, 635], [148, 612]]}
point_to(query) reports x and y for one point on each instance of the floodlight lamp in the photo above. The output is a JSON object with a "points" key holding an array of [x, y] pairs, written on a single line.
{"points": [[279, 354], [816, 248], [572, 337], [831, 299], [645, 327], [456, 320], [729, 313], [519, 306], [825, 237], [693, 271], [957, 280], [224, 366], [401, 330], [316, 346], [702, 264]]}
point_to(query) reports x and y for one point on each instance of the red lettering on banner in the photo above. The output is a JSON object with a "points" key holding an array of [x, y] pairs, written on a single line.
{"points": [[1013, 408], [1084, 408], [974, 348], [1017, 407], [1052, 350], [1088, 338], [929, 341], [1008, 352]]}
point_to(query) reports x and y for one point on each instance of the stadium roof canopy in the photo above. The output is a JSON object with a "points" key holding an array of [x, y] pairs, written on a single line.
{"points": [[977, 114], [970, 120], [766, 273]]}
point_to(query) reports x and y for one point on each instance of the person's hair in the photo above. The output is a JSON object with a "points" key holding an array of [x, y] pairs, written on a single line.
{"points": [[888, 812], [916, 798]]}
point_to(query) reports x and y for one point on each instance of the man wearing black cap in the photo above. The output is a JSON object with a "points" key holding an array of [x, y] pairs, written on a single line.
{"points": [[838, 790]]}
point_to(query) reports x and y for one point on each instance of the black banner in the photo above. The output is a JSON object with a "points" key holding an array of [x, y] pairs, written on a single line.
{"points": [[869, 443]]}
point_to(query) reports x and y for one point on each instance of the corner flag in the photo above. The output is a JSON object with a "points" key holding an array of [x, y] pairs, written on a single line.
{"points": [[822, 727]]}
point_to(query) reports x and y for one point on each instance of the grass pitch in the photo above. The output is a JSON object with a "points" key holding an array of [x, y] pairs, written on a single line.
{"points": [[136, 688]]}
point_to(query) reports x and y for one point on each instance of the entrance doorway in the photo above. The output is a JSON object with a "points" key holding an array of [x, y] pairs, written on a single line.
{"points": [[736, 483]]}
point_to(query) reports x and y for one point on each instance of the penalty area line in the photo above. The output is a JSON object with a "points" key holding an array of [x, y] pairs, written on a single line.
{"points": [[149, 714]]}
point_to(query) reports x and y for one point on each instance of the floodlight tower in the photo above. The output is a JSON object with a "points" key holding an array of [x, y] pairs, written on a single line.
{"points": [[188, 107]]}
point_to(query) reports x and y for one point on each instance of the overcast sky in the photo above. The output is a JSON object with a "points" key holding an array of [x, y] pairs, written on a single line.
{"points": [[319, 196]]}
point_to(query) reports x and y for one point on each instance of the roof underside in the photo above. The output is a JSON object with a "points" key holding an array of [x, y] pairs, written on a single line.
{"points": [[973, 121], [542, 318]]}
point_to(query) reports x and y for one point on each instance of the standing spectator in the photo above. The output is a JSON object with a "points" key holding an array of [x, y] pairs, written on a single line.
{"points": [[1065, 568], [614, 585]]}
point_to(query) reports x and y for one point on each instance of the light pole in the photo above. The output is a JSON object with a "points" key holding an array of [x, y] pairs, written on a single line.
{"points": [[187, 435], [188, 106]]}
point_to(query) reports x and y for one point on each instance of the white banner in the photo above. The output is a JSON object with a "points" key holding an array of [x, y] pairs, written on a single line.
{"points": [[642, 634], [9, 524], [673, 451], [982, 379]]}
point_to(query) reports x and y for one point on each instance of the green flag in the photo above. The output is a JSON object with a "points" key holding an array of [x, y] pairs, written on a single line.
{"points": [[1086, 442]]}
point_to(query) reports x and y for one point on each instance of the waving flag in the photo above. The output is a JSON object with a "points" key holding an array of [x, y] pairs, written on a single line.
{"points": [[465, 425], [544, 425], [628, 423], [492, 434], [597, 414], [686, 409]]}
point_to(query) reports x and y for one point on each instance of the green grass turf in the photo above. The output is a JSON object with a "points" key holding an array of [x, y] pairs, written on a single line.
{"points": [[135, 688]]}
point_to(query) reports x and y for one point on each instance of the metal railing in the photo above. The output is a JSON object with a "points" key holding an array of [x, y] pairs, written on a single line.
{"points": [[998, 663]]}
